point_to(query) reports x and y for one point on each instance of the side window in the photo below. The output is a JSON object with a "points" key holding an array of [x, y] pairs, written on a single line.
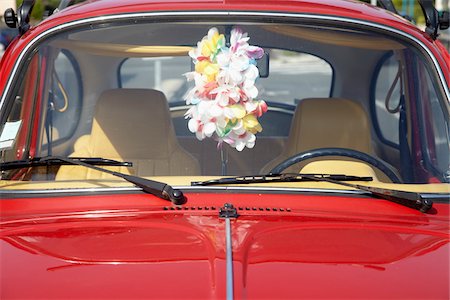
{"points": [[310, 75], [294, 76], [436, 125], [64, 99], [15, 135], [386, 100]]}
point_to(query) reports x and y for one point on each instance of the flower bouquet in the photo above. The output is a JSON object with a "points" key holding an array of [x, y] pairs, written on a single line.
{"points": [[223, 99]]}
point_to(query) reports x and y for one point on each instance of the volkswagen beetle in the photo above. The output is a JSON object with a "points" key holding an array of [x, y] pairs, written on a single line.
{"points": [[225, 149]]}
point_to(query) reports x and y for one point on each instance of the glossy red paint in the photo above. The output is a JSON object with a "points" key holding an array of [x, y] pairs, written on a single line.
{"points": [[306, 246], [284, 246], [338, 8]]}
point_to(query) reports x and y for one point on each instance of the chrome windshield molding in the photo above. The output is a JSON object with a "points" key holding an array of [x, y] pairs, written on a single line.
{"points": [[236, 189], [256, 189], [68, 191], [118, 17]]}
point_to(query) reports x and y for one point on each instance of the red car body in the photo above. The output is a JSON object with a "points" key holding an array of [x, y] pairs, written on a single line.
{"points": [[285, 245]]}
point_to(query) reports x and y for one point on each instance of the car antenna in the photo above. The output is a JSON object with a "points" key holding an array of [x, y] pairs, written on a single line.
{"points": [[20, 20]]}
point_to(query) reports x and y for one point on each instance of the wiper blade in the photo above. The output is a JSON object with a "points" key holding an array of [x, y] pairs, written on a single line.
{"points": [[409, 199], [56, 161], [286, 177], [159, 189]]}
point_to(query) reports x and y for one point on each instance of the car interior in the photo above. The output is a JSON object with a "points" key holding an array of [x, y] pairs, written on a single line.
{"points": [[101, 110]]}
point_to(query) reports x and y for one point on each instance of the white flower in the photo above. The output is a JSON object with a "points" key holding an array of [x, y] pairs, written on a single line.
{"points": [[239, 62], [244, 140], [226, 95], [223, 100]]}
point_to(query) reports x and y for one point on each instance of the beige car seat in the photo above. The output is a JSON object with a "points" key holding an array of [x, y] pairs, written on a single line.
{"points": [[132, 125], [325, 123]]}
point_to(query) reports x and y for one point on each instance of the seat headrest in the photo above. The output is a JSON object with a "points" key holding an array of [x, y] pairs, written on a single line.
{"points": [[133, 123], [330, 122]]}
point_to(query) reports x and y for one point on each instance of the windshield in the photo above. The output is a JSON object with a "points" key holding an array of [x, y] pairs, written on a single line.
{"points": [[221, 98]]}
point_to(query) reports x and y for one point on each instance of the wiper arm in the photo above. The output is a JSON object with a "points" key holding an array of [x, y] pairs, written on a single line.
{"points": [[286, 177], [159, 189], [409, 199]]}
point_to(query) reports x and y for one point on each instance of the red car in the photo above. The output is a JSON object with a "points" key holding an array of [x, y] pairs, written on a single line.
{"points": [[225, 149]]}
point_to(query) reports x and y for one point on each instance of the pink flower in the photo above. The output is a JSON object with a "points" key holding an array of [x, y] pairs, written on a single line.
{"points": [[224, 91]]}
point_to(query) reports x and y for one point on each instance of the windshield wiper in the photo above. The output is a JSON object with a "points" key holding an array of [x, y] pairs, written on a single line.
{"points": [[286, 177], [410, 199], [159, 189], [52, 161]]}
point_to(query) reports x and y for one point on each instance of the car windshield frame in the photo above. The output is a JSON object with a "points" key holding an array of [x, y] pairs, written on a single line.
{"points": [[245, 17]]}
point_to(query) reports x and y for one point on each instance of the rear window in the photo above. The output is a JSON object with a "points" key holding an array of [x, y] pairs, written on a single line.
{"points": [[292, 76]]}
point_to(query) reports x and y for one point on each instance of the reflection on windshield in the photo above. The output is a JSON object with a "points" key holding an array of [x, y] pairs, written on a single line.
{"points": [[119, 91]]}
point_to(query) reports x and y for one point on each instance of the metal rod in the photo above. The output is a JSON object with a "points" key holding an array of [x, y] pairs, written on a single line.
{"points": [[224, 159], [229, 257]]}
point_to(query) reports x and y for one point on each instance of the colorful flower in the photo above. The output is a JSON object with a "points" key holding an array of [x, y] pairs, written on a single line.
{"points": [[223, 97]]}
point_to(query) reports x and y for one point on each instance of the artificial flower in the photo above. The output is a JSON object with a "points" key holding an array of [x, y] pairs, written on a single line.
{"points": [[236, 111], [251, 124], [223, 97], [257, 108], [212, 43], [210, 70]]}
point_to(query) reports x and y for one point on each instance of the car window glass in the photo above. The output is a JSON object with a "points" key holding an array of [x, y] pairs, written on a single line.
{"points": [[310, 75], [292, 76], [21, 111], [304, 62], [387, 98], [436, 127], [161, 73], [65, 99]]}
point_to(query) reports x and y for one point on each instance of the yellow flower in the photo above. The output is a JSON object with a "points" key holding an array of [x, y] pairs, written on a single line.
{"points": [[212, 45], [238, 111], [210, 70], [251, 124]]}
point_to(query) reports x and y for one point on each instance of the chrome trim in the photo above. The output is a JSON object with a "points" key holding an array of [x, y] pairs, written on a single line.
{"points": [[229, 259], [235, 189], [222, 13], [256, 189], [68, 190], [271, 189]]}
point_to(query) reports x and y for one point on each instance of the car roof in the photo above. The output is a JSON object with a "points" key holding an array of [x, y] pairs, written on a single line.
{"points": [[340, 10], [344, 8]]}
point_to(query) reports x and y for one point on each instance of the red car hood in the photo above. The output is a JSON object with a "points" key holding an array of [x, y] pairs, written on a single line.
{"points": [[278, 251]]}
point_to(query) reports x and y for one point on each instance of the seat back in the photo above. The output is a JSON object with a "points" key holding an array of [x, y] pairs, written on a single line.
{"points": [[323, 123], [134, 125]]}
